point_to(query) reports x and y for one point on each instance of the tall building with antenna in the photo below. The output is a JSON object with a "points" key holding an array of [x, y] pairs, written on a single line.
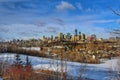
{"points": [[76, 32]]}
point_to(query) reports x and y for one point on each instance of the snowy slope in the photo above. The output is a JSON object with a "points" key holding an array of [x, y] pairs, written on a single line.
{"points": [[93, 71]]}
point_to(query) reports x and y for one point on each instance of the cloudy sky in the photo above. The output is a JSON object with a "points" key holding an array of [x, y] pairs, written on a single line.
{"points": [[24, 19]]}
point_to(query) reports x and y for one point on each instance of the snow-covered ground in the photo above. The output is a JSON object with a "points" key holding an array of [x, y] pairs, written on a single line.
{"points": [[32, 48], [92, 71]]}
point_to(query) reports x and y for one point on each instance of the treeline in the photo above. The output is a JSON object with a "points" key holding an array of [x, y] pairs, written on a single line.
{"points": [[18, 50], [75, 55], [65, 55]]}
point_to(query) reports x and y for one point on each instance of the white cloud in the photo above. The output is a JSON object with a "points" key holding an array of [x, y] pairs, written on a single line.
{"points": [[64, 6], [88, 10], [101, 21], [118, 21], [79, 6], [20, 31]]}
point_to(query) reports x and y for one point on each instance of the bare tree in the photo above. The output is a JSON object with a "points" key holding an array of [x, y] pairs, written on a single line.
{"points": [[117, 12], [82, 71], [116, 32]]}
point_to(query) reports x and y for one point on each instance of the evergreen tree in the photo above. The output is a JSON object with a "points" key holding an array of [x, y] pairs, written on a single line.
{"points": [[17, 61], [28, 62]]}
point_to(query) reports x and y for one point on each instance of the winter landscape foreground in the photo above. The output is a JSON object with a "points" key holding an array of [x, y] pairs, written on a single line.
{"points": [[106, 70]]}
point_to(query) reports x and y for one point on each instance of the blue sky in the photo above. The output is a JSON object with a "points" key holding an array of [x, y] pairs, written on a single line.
{"points": [[24, 19]]}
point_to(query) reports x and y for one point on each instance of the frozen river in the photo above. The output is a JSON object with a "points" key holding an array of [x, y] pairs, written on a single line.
{"points": [[92, 71]]}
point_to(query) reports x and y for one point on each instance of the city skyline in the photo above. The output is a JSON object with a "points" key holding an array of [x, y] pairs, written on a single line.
{"points": [[24, 19]]}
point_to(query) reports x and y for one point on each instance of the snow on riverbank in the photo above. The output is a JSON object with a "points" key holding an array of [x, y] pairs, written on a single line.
{"points": [[32, 48], [93, 71]]}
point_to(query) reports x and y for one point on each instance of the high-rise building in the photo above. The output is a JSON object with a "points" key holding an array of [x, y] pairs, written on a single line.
{"points": [[76, 32], [64, 36], [93, 37], [73, 38], [82, 36], [56, 38], [60, 36], [43, 37], [79, 33], [68, 36], [51, 37]]}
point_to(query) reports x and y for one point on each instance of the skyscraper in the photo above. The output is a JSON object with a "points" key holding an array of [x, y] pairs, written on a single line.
{"points": [[51, 37], [93, 37], [76, 32], [68, 35], [79, 33], [82, 36], [60, 36]]}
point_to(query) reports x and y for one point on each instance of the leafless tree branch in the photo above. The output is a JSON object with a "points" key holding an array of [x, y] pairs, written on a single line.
{"points": [[115, 12]]}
